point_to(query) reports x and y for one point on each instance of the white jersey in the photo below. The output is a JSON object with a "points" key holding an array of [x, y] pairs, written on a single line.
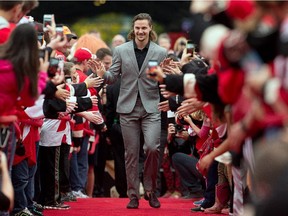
{"points": [[53, 131]]}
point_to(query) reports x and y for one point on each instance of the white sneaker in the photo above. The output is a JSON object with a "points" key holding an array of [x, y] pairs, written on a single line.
{"points": [[141, 189], [24, 212], [79, 194]]}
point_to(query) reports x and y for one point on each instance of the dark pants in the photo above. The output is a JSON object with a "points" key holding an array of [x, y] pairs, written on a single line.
{"points": [[64, 168], [211, 181], [119, 160], [37, 184], [163, 141], [101, 154], [49, 174]]}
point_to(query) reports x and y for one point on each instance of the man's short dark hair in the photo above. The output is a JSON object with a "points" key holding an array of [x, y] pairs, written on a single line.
{"points": [[101, 53]]}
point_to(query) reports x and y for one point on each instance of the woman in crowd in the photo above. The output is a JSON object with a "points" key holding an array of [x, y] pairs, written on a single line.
{"points": [[179, 46], [19, 69], [19, 75]]}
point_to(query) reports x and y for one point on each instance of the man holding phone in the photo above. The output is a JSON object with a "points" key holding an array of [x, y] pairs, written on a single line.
{"points": [[138, 106]]}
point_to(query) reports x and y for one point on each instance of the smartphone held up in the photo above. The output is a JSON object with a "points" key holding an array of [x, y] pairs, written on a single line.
{"points": [[152, 65], [190, 48], [47, 20]]}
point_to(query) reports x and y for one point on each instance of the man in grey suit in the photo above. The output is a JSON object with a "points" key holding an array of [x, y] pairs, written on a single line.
{"points": [[137, 106]]}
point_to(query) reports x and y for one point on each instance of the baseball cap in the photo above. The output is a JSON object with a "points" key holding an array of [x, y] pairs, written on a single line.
{"points": [[240, 10], [68, 33], [83, 54]]}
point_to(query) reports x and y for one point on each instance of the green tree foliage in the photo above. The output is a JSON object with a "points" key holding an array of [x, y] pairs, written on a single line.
{"points": [[108, 25]]}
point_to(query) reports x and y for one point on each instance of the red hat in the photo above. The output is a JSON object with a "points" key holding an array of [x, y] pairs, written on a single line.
{"points": [[83, 54], [240, 9]]}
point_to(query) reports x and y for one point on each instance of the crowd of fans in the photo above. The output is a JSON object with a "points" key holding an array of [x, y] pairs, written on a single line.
{"points": [[223, 112]]}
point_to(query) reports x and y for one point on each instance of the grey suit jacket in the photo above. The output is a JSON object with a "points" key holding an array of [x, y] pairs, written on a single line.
{"points": [[132, 80]]}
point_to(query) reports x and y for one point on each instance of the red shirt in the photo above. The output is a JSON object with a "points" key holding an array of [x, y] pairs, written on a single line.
{"points": [[59, 55], [5, 30]]}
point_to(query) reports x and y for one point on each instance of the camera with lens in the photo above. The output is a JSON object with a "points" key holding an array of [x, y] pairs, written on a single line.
{"points": [[178, 128]]}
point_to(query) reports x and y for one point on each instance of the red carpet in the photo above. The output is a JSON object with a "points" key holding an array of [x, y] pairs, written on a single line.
{"points": [[117, 206]]}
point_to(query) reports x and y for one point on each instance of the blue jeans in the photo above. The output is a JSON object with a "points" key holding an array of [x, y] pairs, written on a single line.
{"points": [[79, 167], [23, 183], [212, 180], [190, 177]]}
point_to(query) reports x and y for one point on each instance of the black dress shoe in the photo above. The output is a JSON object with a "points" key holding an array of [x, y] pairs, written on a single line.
{"points": [[197, 209], [153, 200], [133, 204]]}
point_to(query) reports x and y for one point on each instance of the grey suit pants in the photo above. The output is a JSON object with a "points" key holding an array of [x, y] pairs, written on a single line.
{"points": [[131, 125]]}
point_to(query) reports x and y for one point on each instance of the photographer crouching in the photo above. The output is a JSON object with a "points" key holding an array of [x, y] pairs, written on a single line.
{"points": [[178, 141], [184, 160]]}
